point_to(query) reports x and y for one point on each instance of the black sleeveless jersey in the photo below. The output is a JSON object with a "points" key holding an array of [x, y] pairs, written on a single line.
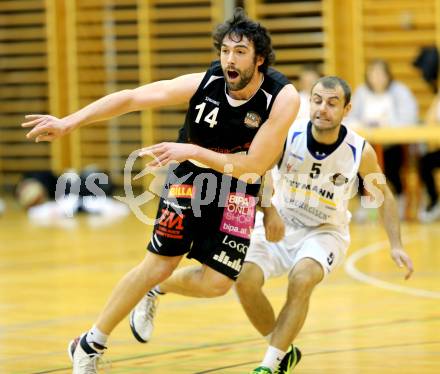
{"points": [[214, 123]]}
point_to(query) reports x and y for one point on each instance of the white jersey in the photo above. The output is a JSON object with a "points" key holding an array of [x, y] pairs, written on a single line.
{"points": [[316, 180]]}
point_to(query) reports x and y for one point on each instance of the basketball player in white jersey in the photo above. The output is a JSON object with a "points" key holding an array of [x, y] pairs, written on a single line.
{"points": [[304, 233]]}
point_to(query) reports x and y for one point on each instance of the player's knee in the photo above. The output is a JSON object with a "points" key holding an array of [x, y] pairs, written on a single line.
{"points": [[218, 288], [244, 287], [158, 270], [250, 280], [306, 276], [213, 283], [304, 282]]}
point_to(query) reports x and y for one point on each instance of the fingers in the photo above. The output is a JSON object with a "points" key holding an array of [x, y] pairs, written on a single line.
{"points": [[274, 234], [160, 153], [41, 129], [399, 262], [269, 236], [153, 150], [159, 160], [34, 116], [403, 260], [44, 138], [45, 127], [273, 238], [35, 119], [409, 265]]}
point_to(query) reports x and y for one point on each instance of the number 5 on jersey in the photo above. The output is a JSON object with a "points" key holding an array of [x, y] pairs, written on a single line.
{"points": [[315, 170], [211, 117]]}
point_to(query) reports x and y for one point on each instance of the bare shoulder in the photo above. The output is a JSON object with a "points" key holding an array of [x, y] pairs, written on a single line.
{"points": [[369, 163], [287, 101], [288, 90], [368, 153]]}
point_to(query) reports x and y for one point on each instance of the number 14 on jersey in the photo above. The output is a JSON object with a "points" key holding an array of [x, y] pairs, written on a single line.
{"points": [[210, 118]]}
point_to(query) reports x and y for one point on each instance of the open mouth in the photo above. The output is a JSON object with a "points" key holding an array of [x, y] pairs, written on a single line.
{"points": [[232, 74]]}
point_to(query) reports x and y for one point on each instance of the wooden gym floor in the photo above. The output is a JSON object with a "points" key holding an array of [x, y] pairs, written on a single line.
{"points": [[364, 319]]}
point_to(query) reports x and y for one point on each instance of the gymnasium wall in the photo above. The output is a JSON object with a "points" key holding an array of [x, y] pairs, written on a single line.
{"points": [[58, 55]]}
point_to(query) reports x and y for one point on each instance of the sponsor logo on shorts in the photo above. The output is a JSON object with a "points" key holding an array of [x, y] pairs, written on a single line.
{"points": [[240, 247], [252, 120], [223, 258], [170, 225], [238, 215], [181, 190]]}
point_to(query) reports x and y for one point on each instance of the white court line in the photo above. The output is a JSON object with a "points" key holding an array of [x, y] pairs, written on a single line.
{"points": [[351, 270]]}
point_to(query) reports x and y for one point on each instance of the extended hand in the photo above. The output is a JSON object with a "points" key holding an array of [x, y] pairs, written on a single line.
{"points": [[401, 258], [164, 153], [45, 127]]}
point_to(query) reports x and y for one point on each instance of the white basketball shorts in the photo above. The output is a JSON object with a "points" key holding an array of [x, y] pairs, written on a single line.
{"points": [[326, 244]]}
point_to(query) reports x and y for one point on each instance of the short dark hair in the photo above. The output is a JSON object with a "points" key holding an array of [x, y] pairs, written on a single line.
{"points": [[240, 25], [333, 81]]}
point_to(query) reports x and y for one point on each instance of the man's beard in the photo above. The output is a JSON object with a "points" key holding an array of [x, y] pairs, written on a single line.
{"points": [[245, 78]]}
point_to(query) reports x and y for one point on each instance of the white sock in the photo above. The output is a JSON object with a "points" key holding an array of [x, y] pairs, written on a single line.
{"points": [[273, 358], [155, 291], [267, 337], [95, 335]]}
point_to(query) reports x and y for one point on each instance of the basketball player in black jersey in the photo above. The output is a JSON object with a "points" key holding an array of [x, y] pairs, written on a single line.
{"points": [[238, 116]]}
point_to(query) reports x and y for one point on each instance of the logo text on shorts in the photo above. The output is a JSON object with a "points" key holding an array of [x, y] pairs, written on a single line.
{"points": [[170, 224], [181, 190], [238, 215], [240, 247]]}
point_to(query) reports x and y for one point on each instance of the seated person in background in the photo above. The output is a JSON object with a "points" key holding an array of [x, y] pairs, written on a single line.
{"points": [[428, 163], [306, 79], [36, 188], [88, 192], [381, 102]]}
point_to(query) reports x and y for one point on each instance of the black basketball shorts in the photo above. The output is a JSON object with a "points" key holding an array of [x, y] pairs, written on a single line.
{"points": [[206, 214]]}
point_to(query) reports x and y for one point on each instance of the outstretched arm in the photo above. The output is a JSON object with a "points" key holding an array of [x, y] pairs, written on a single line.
{"points": [[388, 209], [262, 153], [161, 93]]}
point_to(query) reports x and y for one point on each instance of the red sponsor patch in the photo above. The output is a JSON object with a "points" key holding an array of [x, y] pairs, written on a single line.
{"points": [[170, 224]]}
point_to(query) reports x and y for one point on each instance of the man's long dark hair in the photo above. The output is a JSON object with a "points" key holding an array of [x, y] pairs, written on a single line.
{"points": [[240, 25]]}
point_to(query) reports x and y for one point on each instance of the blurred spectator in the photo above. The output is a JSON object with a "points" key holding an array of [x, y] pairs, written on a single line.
{"points": [[383, 101], [428, 164], [428, 62], [50, 200], [307, 78], [36, 188]]}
